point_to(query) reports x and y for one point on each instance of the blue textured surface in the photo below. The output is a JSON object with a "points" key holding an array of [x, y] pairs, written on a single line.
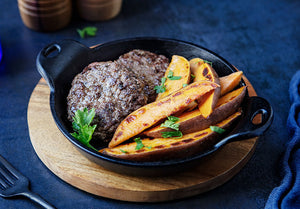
{"points": [[287, 194], [261, 38]]}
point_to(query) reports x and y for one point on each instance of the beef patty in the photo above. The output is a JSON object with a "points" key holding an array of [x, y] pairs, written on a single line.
{"points": [[149, 67], [115, 89]]}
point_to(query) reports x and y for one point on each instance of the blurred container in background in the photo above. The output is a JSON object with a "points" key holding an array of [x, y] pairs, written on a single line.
{"points": [[98, 10], [45, 15]]}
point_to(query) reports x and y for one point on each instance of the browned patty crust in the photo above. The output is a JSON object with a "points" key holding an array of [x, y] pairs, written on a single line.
{"points": [[149, 67], [115, 89]]}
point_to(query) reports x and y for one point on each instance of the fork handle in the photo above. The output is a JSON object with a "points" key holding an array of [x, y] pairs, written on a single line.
{"points": [[38, 199]]}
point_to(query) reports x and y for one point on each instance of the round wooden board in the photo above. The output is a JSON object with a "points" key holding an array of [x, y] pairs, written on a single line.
{"points": [[63, 159]]}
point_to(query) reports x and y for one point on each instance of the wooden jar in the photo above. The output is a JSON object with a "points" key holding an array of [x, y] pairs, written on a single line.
{"points": [[45, 15], [98, 10]]}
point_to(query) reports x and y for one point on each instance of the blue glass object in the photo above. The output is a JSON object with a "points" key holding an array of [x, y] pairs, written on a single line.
{"points": [[0, 52]]}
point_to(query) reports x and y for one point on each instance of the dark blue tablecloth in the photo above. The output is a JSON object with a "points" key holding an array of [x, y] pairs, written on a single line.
{"points": [[259, 37]]}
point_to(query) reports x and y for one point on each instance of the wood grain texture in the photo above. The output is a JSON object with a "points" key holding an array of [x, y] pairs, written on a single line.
{"points": [[59, 155]]}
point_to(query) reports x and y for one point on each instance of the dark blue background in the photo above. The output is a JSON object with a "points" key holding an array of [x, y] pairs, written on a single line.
{"points": [[259, 37]]}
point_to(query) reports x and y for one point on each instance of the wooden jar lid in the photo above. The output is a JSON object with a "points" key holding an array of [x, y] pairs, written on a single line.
{"points": [[45, 15]]}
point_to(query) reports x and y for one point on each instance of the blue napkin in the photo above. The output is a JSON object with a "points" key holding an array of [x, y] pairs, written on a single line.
{"points": [[287, 194]]}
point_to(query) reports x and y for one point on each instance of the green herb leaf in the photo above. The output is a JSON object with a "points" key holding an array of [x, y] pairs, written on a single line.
{"points": [[175, 78], [81, 33], [81, 125], [170, 74], [171, 123], [208, 62], [171, 77], [193, 76], [139, 144], [90, 31], [173, 118], [162, 87], [124, 151], [172, 134], [217, 129], [184, 85]]}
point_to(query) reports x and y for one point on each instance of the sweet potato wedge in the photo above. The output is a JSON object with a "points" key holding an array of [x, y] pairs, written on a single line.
{"points": [[150, 114], [193, 121], [195, 64], [178, 66], [230, 81], [171, 148], [207, 73]]}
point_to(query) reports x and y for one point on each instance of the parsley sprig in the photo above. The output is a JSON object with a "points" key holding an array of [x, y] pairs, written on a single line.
{"points": [[162, 87], [205, 61], [172, 77], [124, 151], [217, 129], [89, 31], [171, 134], [208, 62], [171, 123], [81, 126], [139, 144]]}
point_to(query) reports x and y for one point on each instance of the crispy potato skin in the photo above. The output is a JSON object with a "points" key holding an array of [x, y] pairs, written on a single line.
{"points": [[171, 148], [150, 114], [194, 121]]}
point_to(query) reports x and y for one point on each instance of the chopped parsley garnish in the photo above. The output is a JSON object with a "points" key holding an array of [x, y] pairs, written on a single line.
{"points": [[175, 78], [170, 74], [171, 77], [208, 62], [217, 129], [172, 134], [89, 31], [139, 144], [184, 85], [171, 123], [162, 87], [124, 151], [193, 76], [81, 126], [173, 118]]}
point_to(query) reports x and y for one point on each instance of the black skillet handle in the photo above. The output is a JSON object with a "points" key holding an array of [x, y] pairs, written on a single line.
{"points": [[246, 128], [54, 58]]}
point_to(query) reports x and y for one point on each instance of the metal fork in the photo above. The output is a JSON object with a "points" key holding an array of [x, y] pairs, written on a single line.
{"points": [[13, 183]]}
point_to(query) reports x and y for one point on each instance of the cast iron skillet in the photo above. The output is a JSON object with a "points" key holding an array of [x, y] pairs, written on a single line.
{"points": [[59, 62]]}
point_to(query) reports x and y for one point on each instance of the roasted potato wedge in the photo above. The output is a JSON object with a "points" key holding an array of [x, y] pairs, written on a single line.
{"points": [[171, 148], [179, 67], [195, 64], [207, 73], [152, 113], [230, 81], [194, 121]]}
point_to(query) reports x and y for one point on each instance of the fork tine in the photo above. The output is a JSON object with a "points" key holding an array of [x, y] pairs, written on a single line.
{"points": [[3, 184], [7, 175], [9, 167]]}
